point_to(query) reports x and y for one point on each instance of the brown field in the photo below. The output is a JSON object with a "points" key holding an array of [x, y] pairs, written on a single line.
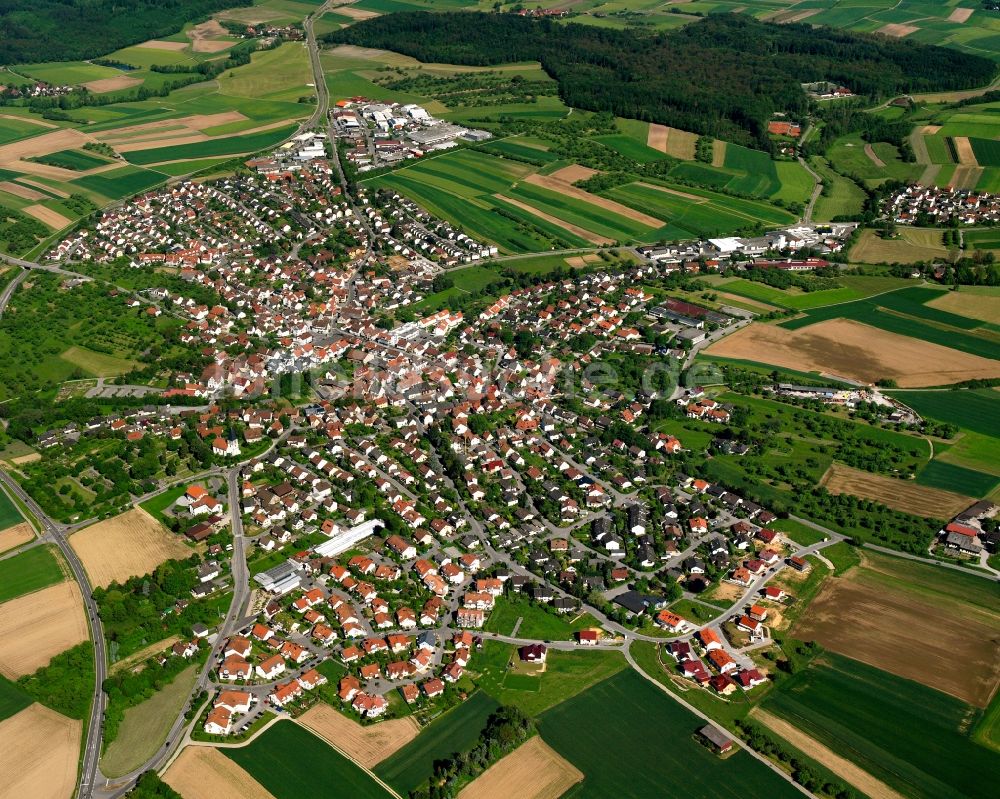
{"points": [[168, 132], [681, 144], [912, 244], [38, 754], [354, 13], [573, 173], [593, 238], [15, 536], [719, 153], [203, 772], [205, 37], [965, 177], [366, 746], [582, 260], [36, 627], [930, 130], [873, 157], [984, 307], [757, 305], [532, 771], [553, 183], [158, 44], [960, 14], [657, 136], [51, 218], [864, 617], [31, 457], [22, 191], [963, 149], [898, 30], [904, 495], [128, 545], [840, 766], [851, 349], [63, 139], [112, 84]]}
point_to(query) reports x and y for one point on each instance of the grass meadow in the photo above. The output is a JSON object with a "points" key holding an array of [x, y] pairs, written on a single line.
{"points": [[32, 570]]}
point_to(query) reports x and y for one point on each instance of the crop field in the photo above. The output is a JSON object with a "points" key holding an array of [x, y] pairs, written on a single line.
{"points": [[958, 479], [974, 302], [906, 495], [79, 160], [631, 148], [983, 239], [519, 151], [911, 737], [987, 151], [532, 771], [799, 300], [68, 72], [907, 313], [120, 183], [229, 145], [36, 627], [129, 545], [973, 409], [32, 570], [455, 731], [12, 699], [845, 348], [286, 758], [655, 753], [366, 745], [912, 245], [39, 751], [9, 514], [145, 726], [760, 175], [872, 615], [203, 772], [13, 128]]}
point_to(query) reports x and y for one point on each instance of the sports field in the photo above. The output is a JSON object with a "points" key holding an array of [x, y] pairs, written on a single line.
{"points": [[655, 753], [911, 737], [290, 762], [455, 731]]}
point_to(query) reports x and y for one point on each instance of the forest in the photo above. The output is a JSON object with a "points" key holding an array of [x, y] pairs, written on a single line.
{"points": [[722, 76], [68, 30]]}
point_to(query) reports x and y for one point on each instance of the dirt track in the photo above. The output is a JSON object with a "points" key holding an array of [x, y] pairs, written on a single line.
{"points": [[38, 754], [367, 746], [840, 766]]}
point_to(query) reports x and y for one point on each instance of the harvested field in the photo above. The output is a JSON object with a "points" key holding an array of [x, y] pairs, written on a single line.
{"points": [[158, 44], [851, 349], [64, 139], [29, 458], [930, 130], [719, 153], [203, 772], [15, 536], [840, 766], [657, 137], [582, 260], [905, 495], [680, 144], [553, 183], [960, 14], [587, 235], [963, 149], [38, 753], [912, 244], [965, 177], [795, 16], [984, 307], [366, 746], [205, 37], [861, 616], [533, 771], [128, 545], [173, 140], [51, 218], [112, 84], [36, 627], [354, 13], [21, 191], [870, 152], [573, 173], [757, 305], [194, 122], [897, 29]]}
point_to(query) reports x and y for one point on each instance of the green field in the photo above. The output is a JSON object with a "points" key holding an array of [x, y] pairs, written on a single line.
{"points": [[760, 175], [14, 129], [972, 409], [519, 152], [120, 183], [455, 731], [229, 145], [913, 738], [68, 72], [145, 726], [12, 699], [632, 740], [938, 474], [905, 312], [841, 196], [156, 505], [536, 621], [290, 762], [78, 160], [9, 514], [32, 570], [630, 148], [850, 288], [987, 150]]}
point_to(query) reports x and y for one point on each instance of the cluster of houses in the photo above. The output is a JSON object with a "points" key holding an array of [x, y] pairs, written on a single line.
{"points": [[974, 533], [934, 205]]}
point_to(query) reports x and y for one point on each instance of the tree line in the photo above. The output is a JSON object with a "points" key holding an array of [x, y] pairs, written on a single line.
{"points": [[723, 76]]}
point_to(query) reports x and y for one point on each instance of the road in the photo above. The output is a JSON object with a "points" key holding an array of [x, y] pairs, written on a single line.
{"points": [[56, 533], [11, 288], [807, 215]]}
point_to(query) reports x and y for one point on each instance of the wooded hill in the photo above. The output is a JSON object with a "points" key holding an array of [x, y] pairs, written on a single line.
{"points": [[68, 30], [723, 76]]}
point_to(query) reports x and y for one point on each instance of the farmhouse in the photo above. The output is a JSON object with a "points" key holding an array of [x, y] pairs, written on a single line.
{"points": [[716, 738]]}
